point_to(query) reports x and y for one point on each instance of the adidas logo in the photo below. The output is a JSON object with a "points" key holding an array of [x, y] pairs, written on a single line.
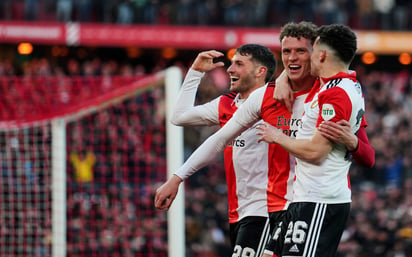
{"points": [[294, 249]]}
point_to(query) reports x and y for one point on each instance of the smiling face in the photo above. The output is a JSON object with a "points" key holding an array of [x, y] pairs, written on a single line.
{"points": [[242, 73], [296, 58]]}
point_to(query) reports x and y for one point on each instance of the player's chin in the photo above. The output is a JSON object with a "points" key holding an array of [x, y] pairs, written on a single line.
{"points": [[295, 74], [233, 88]]}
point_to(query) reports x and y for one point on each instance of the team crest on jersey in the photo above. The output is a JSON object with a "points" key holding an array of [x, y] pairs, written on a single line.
{"points": [[328, 112]]}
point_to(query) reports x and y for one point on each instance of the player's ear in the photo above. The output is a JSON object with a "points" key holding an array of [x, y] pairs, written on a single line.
{"points": [[322, 55], [261, 71]]}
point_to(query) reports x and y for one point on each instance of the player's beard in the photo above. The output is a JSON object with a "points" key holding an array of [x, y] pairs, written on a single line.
{"points": [[244, 83]]}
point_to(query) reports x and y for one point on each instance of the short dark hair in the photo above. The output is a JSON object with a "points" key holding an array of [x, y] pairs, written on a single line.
{"points": [[260, 54], [341, 39], [303, 29]]}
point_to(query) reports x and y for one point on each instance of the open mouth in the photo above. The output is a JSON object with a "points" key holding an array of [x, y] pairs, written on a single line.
{"points": [[294, 67], [233, 79]]}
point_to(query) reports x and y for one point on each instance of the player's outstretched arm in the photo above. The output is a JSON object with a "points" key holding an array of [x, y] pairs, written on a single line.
{"points": [[358, 145], [283, 92], [167, 192]]}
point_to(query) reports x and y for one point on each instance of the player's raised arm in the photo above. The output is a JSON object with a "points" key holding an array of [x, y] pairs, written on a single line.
{"points": [[185, 113]]}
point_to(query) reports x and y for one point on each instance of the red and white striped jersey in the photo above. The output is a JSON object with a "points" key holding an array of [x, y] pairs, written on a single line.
{"points": [[259, 175], [339, 98], [245, 166], [281, 165], [243, 156]]}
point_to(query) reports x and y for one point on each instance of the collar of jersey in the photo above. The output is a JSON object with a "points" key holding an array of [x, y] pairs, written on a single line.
{"points": [[238, 100], [341, 75]]}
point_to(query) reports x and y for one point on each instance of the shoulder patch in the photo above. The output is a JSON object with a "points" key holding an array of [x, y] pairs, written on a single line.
{"points": [[328, 112]]}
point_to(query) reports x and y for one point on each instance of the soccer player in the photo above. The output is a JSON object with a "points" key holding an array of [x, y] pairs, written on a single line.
{"points": [[246, 161], [317, 216]]}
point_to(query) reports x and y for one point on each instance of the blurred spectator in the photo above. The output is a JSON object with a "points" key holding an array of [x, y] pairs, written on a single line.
{"points": [[301, 10], [125, 12], [402, 14], [31, 10], [365, 14], [256, 13], [64, 10], [83, 10], [383, 9], [151, 12], [83, 163], [185, 12], [233, 12], [332, 11]]}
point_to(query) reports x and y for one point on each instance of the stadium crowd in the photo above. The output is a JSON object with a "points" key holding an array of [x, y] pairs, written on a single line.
{"points": [[381, 213], [358, 14]]}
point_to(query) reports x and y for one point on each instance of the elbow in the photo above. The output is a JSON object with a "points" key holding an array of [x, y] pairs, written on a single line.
{"points": [[365, 159], [316, 161], [176, 121], [369, 163], [315, 158]]}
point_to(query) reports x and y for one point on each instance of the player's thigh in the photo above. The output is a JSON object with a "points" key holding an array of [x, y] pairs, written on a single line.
{"points": [[252, 234], [278, 229], [315, 229]]}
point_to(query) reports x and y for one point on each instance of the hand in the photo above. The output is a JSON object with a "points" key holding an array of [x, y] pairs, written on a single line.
{"points": [[339, 132], [166, 193], [268, 133], [204, 61], [283, 92]]}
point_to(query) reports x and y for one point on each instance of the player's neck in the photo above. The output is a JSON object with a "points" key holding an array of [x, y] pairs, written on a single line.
{"points": [[245, 94], [302, 84], [331, 69]]}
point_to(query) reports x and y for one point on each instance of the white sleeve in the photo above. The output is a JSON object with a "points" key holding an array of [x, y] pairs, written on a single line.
{"points": [[210, 149], [185, 113], [248, 113]]}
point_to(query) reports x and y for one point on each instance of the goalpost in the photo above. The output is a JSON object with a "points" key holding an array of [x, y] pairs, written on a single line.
{"points": [[80, 159]]}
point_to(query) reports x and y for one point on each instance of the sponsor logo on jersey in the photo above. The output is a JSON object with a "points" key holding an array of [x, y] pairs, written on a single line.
{"points": [[328, 112], [290, 123], [283, 121], [237, 143], [290, 132]]}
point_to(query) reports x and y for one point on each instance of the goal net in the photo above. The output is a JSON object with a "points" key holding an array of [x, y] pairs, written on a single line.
{"points": [[80, 159]]}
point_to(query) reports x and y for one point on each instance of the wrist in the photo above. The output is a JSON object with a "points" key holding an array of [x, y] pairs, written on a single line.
{"points": [[354, 147], [176, 179], [196, 72]]}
